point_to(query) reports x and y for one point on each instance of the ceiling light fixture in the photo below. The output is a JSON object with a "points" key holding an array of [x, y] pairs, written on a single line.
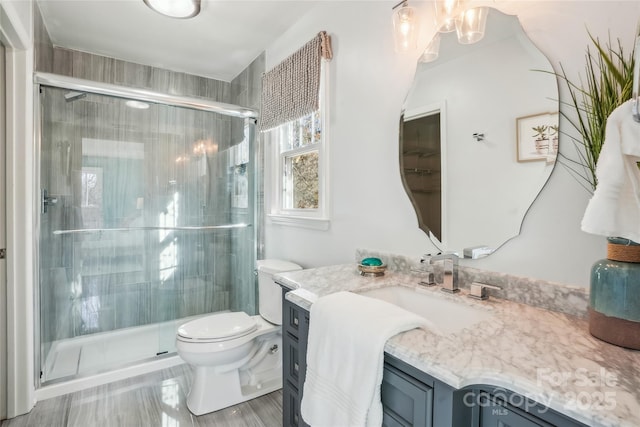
{"points": [[433, 49], [446, 12], [470, 25], [405, 27], [175, 8]]}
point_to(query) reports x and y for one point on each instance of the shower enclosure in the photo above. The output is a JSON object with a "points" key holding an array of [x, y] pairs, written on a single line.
{"points": [[146, 219]]}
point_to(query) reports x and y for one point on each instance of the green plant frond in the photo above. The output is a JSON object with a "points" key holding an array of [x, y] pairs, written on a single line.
{"points": [[583, 159], [606, 56], [582, 181], [607, 83]]}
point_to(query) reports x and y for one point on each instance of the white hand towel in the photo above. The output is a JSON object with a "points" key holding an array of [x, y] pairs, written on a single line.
{"points": [[614, 209], [345, 356]]}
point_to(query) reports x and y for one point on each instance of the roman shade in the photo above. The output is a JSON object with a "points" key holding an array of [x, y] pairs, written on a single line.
{"points": [[291, 89]]}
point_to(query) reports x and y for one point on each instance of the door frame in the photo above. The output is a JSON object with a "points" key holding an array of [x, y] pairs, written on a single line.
{"points": [[16, 33], [3, 240], [423, 111]]}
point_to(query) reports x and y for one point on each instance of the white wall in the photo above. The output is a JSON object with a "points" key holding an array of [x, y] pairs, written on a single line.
{"points": [[369, 83], [16, 23]]}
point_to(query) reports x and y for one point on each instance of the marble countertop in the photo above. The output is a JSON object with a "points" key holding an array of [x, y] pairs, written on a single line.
{"points": [[547, 356]]}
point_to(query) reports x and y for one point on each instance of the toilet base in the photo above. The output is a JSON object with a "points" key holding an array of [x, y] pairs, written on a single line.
{"points": [[211, 392], [250, 366]]}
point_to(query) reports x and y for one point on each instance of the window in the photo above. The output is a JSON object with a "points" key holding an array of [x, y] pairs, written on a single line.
{"points": [[299, 191], [91, 197], [91, 187]]}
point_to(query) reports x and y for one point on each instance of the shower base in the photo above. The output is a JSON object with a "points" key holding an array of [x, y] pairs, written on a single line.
{"points": [[82, 362]]}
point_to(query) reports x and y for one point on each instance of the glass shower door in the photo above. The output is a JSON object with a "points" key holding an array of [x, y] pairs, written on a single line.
{"points": [[145, 223], [207, 187]]}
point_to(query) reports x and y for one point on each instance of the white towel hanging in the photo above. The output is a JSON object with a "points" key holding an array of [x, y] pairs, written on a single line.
{"points": [[345, 357], [614, 209]]}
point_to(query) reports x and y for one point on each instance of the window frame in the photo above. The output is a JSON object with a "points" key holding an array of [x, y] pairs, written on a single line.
{"points": [[317, 218]]}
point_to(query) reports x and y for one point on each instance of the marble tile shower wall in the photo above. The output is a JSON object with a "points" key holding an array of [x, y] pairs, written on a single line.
{"points": [[85, 65], [246, 88], [43, 52], [89, 66]]}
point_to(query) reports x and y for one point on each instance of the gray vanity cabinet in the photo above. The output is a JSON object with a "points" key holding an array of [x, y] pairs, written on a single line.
{"points": [[409, 396], [295, 331]]}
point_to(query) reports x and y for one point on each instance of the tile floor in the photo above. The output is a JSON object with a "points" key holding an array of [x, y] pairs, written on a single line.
{"points": [[155, 399]]}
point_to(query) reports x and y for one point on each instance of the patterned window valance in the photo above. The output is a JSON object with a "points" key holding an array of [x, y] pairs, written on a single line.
{"points": [[290, 89]]}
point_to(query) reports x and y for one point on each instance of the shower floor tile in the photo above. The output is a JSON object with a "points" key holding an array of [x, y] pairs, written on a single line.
{"points": [[155, 399]]}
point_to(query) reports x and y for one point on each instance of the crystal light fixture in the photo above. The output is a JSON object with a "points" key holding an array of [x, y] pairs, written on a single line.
{"points": [[175, 8], [446, 12], [405, 27], [470, 25], [432, 50]]}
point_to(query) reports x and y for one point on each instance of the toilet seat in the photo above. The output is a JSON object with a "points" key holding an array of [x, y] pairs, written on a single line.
{"points": [[218, 327], [216, 345]]}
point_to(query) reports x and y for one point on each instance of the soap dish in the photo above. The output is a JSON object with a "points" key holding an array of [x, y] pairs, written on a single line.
{"points": [[372, 270]]}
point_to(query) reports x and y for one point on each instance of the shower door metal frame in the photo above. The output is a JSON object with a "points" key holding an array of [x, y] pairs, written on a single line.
{"points": [[41, 79], [145, 95], [3, 240]]}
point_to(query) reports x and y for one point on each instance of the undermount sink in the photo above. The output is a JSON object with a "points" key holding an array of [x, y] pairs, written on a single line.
{"points": [[445, 315]]}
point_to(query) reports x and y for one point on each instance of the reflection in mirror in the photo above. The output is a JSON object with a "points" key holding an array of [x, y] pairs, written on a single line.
{"points": [[478, 137], [421, 163]]}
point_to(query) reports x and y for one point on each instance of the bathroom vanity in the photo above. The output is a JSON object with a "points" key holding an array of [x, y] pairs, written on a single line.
{"points": [[409, 396], [509, 370]]}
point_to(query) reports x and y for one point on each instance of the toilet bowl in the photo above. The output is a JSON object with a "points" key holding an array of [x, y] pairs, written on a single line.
{"points": [[236, 357]]}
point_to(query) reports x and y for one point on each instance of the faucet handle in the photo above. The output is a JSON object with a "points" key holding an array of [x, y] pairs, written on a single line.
{"points": [[427, 270], [479, 290]]}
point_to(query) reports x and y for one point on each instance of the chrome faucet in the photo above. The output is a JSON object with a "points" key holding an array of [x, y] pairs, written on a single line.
{"points": [[449, 271]]}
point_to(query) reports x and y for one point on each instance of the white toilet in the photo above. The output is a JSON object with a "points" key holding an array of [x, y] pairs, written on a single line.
{"points": [[236, 357]]}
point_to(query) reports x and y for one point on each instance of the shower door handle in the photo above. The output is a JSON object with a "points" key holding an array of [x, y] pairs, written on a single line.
{"points": [[45, 201]]}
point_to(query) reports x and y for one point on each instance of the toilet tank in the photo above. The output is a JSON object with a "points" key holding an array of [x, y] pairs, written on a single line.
{"points": [[269, 292]]}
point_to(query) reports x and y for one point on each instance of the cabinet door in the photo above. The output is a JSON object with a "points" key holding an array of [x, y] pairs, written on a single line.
{"points": [[290, 407], [303, 338], [291, 360], [405, 400], [500, 416], [303, 341], [513, 410], [294, 344], [292, 318]]}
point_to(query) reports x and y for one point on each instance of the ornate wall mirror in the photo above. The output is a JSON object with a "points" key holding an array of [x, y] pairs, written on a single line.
{"points": [[479, 136]]}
